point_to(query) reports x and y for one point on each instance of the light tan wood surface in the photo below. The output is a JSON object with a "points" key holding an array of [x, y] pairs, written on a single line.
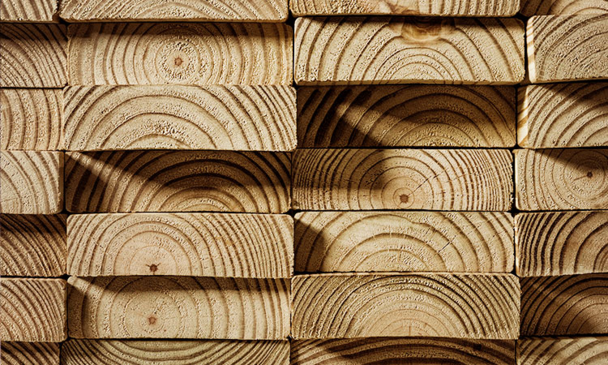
{"points": [[563, 115], [562, 351], [413, 179], [33, 310], [411, 351], [33, 55], [177, 10], [29, 353], [28, 11], [156, 181], [31, 119], [561, 179], [477, 8], [178, 308], [206, 352], [404, 116], [400, 241], [405, 305], [31, 182], [184, 53], [259, 118], [363, 50], [561, 243], [567, 48], [563, 7], [32, 245], [564, 305], [182, 244]]}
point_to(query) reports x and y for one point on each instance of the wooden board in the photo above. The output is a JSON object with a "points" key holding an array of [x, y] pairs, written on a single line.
{"points": [[564, 305], [563, 7], [172, 307], [479, 8], [31, 119], [157, 181], [33, 55], [31, 182], [363, 179], [563, 115], [431, 351], [395, 241], [207, 352], [567, 48], [33, 310], [562, 243], [404, 116], [32, 245], [408, 305], [182, 244], [563, 351], [261, 118], [28, 11], [29, 353], [184, 53], [180, 10], [561, 179], [359, 50]]}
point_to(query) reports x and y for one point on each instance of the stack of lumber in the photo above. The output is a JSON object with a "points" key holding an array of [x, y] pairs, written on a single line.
{"points": [[304, 182]]}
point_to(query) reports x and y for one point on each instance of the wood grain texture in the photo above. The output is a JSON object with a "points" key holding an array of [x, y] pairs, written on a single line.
{"points": [[411, 351], [31, 182], [567, 48], [173, 307], [563, 351], [261, 118], [412, 241], [561, 179], [184, 53], [408, 305], [31, 119], [404, 116], [33, 310], [563, 115], [478, 8], [208, 352], [33, 55], [564, 305], [181, 244], [563, 7], [180, 10], [561, 243], [364, 179], [29, 353], [28, 11], [32, 245], [358, 50], [157, 181]]}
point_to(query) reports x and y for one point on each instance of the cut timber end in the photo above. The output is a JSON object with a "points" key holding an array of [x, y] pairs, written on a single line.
{"points": [[406, 116], [181, 244], [407, 179], [360, 50], [179, 308], [562, 351], [29, 353], [567, 48], [28, 11], [405, 305], [184, 53], [258, 118], [563, 7], [561, 179], [31, 182], [33, 55], [204, 352], [408, 241], [33, 310]]}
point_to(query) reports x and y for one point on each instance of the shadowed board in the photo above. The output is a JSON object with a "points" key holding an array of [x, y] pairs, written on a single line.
{"points": [[29, 353], [563, 7], [562, 351]]}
